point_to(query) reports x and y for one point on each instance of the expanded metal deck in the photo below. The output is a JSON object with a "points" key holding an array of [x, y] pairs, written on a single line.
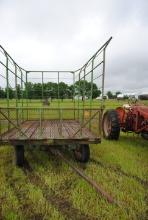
{"points": [[51, 130]]}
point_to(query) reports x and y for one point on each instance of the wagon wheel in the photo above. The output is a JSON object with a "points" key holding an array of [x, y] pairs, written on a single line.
{"points": [[82, 153], [19, 153], [111, 125]]}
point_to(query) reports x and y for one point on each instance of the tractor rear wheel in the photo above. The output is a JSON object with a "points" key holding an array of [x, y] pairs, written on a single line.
{"points": [[19, 153], [111, 125], [144, 135], [82, 153]]}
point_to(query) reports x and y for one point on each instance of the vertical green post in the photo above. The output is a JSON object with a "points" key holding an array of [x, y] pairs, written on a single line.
{"points": [[16, 94], [103, 77], [43, 91], [59, 94], [26, 85], [79, 98], [99, 124], [74, 94], [60, 111], [84, 93], [91, 92], [7, 86], [0, 128], [22, 116], [40, 112], [42, 86]]}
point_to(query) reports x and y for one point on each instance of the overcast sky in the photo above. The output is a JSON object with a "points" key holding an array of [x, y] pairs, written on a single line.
{"points": [[63, 34]]}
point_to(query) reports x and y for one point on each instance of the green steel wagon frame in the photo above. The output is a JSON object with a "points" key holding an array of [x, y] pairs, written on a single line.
{"points": [[24, 121]]}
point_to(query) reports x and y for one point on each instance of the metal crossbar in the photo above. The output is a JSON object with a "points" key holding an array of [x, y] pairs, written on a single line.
{"points": [[83, 125], [11, 122]]}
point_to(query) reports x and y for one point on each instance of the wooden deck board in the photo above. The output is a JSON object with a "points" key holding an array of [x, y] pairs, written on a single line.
{"points": [[51, 129], [14, 132]]}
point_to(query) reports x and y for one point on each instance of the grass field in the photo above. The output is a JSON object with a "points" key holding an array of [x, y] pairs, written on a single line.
{"points": [[47, 188]]}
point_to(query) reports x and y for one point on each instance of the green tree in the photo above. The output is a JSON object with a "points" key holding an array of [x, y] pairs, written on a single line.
{"points": [[19, 91], [11, 92], [83, 88], [29, 87], [2, 93], [110, 95], [51, 89], [117, 93], [63, 90]]}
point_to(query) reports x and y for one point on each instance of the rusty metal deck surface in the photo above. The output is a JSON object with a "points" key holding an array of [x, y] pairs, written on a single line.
{"points": [[51, 129]]}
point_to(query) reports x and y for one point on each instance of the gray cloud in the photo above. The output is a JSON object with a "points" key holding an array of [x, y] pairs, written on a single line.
{"points": [[63, 34]]}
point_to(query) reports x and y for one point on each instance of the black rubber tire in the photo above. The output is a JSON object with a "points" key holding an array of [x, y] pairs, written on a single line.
{"points": [[111, 125], [144, 135], [19, 155], [82, 153]]}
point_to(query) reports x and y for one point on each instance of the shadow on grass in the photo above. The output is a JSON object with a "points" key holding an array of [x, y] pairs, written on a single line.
{"points": [[42, 157], [127, 138], [64, 206]]}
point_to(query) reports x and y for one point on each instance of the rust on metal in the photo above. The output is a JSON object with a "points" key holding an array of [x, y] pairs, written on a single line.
{"points": [[79, 171]]}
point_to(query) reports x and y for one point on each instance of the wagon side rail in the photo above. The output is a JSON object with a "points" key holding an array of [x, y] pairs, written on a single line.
{"points": [[42, 115]]}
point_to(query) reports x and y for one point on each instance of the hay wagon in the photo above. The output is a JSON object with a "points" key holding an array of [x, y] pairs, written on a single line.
{"points": [[51, 119]]}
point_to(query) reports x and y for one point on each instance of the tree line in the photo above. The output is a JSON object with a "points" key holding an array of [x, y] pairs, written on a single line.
{"points": [[112, 95], [62, 90]]}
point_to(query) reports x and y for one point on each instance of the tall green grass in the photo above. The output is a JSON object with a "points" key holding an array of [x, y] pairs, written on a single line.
{"points": [[49, 189]]}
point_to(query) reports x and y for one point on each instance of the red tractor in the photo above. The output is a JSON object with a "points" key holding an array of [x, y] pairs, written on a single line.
{"points": [[129, 118]]}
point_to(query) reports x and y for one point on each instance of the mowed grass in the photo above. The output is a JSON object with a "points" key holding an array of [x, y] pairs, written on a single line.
{"points": [[47, 188]]}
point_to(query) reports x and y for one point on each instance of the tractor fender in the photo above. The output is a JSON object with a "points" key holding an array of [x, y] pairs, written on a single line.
{"points": [[121, 114]]}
